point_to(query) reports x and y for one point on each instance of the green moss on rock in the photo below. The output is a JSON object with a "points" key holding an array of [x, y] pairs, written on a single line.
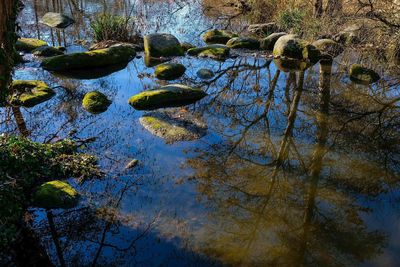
{"points": [[243, 42], [186, 46], [205, 74], [169, 71], [29, 44], [95, 102], [362, 74], [56, 195], [268, 42], [218, 36], [216, 51], [162, 45], [172, 95], [30, 93], [290, 46], [96, 58], [47, 51]]}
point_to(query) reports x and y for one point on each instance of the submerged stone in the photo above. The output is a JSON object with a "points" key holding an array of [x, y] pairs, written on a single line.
{"points": [[162, 45], [218, 36], [169, 71], [56, 20], [205, 74], [329, 48], [56, 195], [172, 95], [173, 126], [30, 93], [29, 44], [97, 58], [243, 42], [216, 51], [47, 51], [360, 74], [290, 46], [95, 102], [268, 42]]}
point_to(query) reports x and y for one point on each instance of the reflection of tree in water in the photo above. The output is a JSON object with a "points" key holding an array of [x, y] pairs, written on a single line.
{"points": [[297, 201]]}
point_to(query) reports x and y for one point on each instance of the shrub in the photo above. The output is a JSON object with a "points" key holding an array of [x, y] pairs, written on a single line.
{"points": [[113, 27], [291, 19]]}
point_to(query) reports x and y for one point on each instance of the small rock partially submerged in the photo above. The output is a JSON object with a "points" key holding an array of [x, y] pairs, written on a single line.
{"points": [[95, 102], [108, 43], [56, 195], [243, 42], [131, 164], [97, 58], [29, 44], [47, 51], [173, 95], [329, 48], [30, 93], [292, 47], [169, 71], [205, 74], [216, 51], [162, 45], [173, 126], [218, 36], [363, 75], [268, 42], [56, 20]]}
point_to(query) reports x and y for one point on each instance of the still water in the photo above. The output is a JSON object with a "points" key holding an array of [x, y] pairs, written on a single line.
{"points": [[296, 169]]}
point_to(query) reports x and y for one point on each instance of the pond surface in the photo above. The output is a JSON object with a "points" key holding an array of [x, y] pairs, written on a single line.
{"points": [[295, 169]]}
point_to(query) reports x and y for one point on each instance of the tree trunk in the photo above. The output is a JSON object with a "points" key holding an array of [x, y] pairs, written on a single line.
{"points": [[318, 8]]}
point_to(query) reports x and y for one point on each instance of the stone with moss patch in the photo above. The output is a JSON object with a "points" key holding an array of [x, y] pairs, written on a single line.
{"points": [[56, 195], [360, 74], [243, 42], [169, 71], [162, 45], [95, 102], [218, 36], [290, 46], [30, 93], [173, 125], [47, 51], [216, 51], [97, 58], [172, 95], [268, 42], [29, 44], [56, 20], [205, 74], [329, 48]]}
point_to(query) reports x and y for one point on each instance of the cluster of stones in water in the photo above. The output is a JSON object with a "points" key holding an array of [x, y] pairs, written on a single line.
{"points": [[30, 93], [56, 195], [95, 102]]}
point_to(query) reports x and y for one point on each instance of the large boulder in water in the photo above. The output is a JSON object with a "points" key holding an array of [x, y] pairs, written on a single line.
{"points": [[290, 46], [218, 36], [30, 93], [56, 20], [96, 58], [56, 195], [216, 51], [268, 42], [172, 95], [162, 45], [363, 75], [243, 42], [169, 71], [328, 48], [29, 44], [95, 102]]}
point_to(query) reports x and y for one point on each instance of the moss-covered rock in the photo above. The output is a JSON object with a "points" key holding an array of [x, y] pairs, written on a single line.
{"points": [[186, 46], [263, 29], [205, 74], [216, 51], [95, 102], [360, 74], [290, 46], [162, 45], [56, 20], [218, 36], [169, 71], [173, 126], [56, 195], [268, 42], [243, 42], [97, 58], [47, 51], [172, 95], [328, 48], [29, 44], [30, 93]]}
